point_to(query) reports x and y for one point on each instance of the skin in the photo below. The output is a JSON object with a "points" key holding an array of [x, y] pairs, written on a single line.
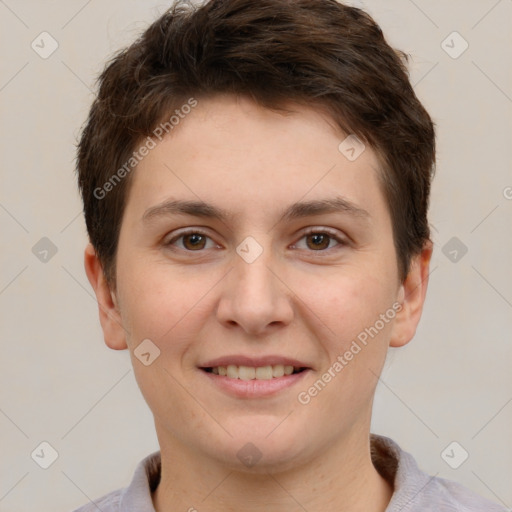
{"points": [[294, 300]]}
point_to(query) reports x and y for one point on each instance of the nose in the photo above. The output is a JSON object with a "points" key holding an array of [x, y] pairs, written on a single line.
{"points": [[255, 297]]}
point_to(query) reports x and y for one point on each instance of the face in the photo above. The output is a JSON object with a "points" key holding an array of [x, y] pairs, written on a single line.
{"points": [[250, 241]]}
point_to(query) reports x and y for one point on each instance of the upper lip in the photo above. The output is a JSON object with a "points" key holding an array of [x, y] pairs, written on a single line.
{"points": [[241, 360]]}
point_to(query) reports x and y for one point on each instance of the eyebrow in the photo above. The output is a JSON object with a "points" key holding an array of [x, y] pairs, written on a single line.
{"points": [[295, 211]]}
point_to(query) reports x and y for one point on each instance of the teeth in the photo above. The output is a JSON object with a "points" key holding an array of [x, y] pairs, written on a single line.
{"points": [[245, 372], [278, 370], [249, 373], [263, 373]]}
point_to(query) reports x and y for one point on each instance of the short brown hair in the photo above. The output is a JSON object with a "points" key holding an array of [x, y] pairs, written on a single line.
{"points": [[276, 52]]}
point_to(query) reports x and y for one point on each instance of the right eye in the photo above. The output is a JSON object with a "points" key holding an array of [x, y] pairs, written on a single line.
{"points": [[191, 240]]}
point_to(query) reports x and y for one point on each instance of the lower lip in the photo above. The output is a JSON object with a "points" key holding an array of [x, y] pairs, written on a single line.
{"points": [[254, 388]]}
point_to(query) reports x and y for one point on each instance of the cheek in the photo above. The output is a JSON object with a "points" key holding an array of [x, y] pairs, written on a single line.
{"points": [[159, 302], [162, 306], [350, 305], [347, 302]]}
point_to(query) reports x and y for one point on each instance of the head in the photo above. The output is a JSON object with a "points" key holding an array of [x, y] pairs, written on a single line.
{"points": [[250, 108]]}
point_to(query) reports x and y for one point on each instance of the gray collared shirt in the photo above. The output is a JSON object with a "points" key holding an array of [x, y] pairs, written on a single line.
{"points": [[414, 490]]}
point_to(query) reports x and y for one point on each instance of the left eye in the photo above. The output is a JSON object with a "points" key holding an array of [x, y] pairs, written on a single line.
{"points": [[319, 240]]}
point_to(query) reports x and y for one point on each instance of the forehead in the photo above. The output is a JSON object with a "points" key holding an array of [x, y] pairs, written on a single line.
{"points": [[233, 153]]}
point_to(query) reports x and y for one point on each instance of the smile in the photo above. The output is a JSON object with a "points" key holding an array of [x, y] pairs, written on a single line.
{"points": [[254, 373], [249, 382]]}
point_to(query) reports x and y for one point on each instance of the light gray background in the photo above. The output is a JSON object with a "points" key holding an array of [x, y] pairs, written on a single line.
{"points": [[59, 382]]}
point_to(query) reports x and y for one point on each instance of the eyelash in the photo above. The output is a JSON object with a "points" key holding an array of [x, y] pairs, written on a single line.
{"points": [[311, 231]]}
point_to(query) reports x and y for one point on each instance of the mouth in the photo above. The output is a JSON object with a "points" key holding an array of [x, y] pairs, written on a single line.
{"points": [[252, 378], [242, 372]]}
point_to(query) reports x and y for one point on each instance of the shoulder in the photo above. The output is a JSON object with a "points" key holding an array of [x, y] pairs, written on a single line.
{"points": [[107, 503], [415, 490], [137, 496], [454, 496]]}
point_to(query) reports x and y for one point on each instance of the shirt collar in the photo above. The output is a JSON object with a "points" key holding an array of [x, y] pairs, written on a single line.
{"points": [[137, 496]]}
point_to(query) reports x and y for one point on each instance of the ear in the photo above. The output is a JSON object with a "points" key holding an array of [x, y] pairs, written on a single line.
{"points": [[412, 297], [110, 317]]}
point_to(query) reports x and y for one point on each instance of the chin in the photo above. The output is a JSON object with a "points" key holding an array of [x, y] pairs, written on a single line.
{"points": [[261, 448]]}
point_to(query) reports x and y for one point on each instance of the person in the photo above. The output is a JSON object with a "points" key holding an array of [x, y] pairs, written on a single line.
{"points": [[255, 179]]}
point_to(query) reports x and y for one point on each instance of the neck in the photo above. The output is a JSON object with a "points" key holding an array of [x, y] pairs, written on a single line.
{"points": [[341, 478]]}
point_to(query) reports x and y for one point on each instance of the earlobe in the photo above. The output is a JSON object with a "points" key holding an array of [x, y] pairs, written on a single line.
{"points": [[411, 296], [110, 318]]}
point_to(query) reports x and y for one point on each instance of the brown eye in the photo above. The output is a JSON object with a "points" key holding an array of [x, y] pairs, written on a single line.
{"points": [[194, 241], [321, 241], [318, 241], [190, 241]]}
